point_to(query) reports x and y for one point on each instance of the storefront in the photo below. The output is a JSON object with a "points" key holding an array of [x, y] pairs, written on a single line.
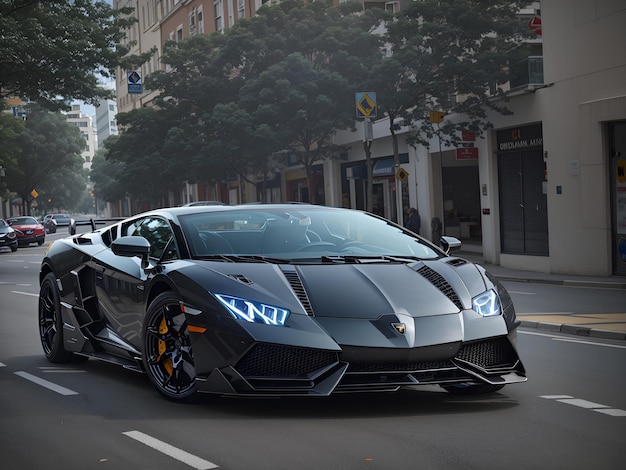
{"points": [[522, 183]]}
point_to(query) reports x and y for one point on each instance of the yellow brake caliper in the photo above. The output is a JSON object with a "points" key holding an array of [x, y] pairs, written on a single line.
{"points": [[167, 363]]}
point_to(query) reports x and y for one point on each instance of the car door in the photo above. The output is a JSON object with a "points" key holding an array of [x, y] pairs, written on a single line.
{"points": [[120, 281]]}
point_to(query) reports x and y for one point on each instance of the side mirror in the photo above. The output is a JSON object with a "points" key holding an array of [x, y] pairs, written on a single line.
{"points": [[450, 244], [132, 246]]}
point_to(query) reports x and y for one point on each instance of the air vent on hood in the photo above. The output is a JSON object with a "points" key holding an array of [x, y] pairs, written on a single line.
{"points": [[240, 278], [456, 262], [440, 283], [298, 288]]}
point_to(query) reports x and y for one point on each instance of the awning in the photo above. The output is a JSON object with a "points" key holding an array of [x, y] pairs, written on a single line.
{"points": [[384, 168]]}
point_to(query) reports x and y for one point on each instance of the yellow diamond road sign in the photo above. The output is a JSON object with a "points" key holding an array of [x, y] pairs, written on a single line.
{"points": [[365, 104], [436, 116], [402, 174], [34, 193]]}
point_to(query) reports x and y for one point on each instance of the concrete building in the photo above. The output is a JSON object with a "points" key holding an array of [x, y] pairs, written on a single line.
{"points": [[545, 190], [86, 127], [106, 110]]}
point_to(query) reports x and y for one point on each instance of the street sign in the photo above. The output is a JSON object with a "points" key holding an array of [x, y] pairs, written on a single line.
{"points": [[402, 174], [436, 116], [134, 82], [365, 104], [34, 193]]}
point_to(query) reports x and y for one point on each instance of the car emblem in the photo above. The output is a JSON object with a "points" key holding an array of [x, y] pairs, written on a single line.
{"points": [[399, 327]]}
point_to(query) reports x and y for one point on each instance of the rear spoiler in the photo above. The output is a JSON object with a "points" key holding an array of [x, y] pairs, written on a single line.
{"points": [[91, 222]]}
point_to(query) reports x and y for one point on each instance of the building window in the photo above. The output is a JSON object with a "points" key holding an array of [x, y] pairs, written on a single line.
{"points": [[179, 33], [241, 9], [192, 22], [200, 20], [219, 15]]}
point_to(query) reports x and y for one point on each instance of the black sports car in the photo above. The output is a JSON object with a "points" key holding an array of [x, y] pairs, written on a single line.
{"points": [[276, 300]]}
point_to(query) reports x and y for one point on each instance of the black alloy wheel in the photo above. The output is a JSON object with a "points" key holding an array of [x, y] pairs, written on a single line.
{"points": [[50, 322], [167, 354]]}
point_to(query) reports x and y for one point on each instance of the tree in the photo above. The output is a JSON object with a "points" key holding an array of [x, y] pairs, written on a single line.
{"points": [[306, 102], [106, 175], [48, 159], [454, 52], [10, 130], [54, 51]]}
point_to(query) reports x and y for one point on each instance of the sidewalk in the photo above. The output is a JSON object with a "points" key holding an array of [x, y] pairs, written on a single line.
{"points": [[596, 325]]}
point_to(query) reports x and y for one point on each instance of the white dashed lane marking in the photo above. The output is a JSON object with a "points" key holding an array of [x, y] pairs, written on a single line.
{"points": [[589, 405], [174, 452], [45, 383]]}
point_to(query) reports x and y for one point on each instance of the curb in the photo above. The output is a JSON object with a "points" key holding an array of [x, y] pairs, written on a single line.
{"points": [[564, 282], [575, 330]]}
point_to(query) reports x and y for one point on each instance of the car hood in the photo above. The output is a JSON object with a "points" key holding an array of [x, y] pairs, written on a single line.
{"points": [[364, 291]]}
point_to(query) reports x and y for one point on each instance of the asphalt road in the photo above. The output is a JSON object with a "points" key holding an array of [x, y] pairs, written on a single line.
{"points": [[571, 414]]}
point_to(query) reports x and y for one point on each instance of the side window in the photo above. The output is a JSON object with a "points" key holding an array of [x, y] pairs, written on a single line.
{"points": [[158, 232]]}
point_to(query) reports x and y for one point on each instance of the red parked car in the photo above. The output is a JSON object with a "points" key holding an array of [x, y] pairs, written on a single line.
{"points": [[28, 229]]}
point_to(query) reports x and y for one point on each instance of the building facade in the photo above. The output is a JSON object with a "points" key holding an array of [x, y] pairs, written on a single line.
{"points": [[106, 125], [544, 190], [86, 127]]}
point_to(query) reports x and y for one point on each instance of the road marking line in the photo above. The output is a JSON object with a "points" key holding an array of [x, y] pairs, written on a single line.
{"points": [[174, 452], [2, 365], [44, 383], [586, 404], [612, 412], [582, 403], [24, 293]]}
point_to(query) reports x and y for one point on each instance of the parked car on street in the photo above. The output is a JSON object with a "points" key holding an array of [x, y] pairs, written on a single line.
{"points": [[51, 221], [8, 237], [29, 230], [275, 300]]}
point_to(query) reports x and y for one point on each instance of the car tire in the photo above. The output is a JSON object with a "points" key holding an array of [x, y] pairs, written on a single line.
{"points": [[14, 248], [50, 322], [466, 390], [167, 355]]}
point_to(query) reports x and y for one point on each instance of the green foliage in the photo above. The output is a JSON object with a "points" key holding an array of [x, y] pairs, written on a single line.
{"points": [[53, 51], [455, 49], [10, 130], [284, 81], [47, 158]]}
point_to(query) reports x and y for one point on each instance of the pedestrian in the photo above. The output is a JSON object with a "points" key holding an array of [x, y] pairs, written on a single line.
{"points": [[413, 222]]}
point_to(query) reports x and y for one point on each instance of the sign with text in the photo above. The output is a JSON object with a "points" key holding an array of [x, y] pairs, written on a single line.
{"points": [[134, 82], [467, 153]]}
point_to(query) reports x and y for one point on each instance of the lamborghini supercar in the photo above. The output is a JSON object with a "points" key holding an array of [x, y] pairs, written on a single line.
{"points": [[272, 300]]}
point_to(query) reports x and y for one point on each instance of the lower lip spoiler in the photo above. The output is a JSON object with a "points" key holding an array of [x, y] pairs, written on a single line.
{"points": [[229, 382]]}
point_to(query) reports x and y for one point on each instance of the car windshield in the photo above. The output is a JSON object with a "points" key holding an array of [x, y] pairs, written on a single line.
{"points": [[300, 233], [23, 221]]}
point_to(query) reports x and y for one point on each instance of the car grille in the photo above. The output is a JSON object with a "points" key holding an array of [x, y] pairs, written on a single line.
{"points": [[492, 354], [270, 360], [270, 368]]}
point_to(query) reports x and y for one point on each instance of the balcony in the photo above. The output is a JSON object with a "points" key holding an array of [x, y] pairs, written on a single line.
{"points": [[527, 75]]}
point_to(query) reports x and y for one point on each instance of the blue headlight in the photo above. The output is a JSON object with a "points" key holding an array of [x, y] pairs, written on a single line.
{"points": [[254, 312], [487, 304]]}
